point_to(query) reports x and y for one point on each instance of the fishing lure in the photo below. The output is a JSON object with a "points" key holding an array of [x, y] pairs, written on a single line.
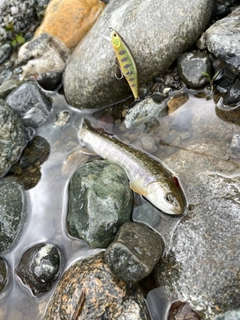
{"points": [[124, 58]]}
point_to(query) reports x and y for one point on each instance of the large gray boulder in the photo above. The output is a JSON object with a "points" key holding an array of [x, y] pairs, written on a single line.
{"points": [[156, 32], [223, 40]]}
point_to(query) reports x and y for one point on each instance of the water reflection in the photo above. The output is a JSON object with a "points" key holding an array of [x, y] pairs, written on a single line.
{"points": [[194, 128]]}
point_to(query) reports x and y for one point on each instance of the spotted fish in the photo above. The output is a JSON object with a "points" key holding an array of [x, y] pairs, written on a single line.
{"points": [[147, 176]]}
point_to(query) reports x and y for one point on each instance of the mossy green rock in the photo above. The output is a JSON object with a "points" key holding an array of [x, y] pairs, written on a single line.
{"points": [[100, 201]]}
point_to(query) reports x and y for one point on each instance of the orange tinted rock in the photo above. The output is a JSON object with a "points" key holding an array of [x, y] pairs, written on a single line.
{"points": [[69, 20]]}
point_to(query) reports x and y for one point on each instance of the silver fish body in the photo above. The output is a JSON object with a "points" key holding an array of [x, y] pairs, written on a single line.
{"points": [[147, 176]]}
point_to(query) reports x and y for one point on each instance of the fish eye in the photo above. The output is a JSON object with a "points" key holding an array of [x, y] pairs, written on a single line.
{"points": [[169, 198], [114, 34]]}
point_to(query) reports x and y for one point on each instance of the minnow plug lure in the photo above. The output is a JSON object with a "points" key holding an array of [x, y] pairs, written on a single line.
{"points": [[125, 59]]}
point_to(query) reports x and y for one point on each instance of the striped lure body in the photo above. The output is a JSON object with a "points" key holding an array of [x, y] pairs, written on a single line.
{"points": [[126, 62]]}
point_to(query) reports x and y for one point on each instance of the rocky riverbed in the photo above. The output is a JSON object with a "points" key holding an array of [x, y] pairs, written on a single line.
{"points": [[76, 241]]}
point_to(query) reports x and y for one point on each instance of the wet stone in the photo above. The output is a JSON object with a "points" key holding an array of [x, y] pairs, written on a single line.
{"points": [[191, 66], [134, 252], [3, 274], [27, 170], [43, 54], [31, 104], [12, 137], [145, 111], [88, 290], [202, 265], [5, 51], [100, 201], [13, 212], [39, 267]]}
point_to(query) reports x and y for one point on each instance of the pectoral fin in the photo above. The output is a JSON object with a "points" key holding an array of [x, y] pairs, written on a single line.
{"points": [[136, 186]]}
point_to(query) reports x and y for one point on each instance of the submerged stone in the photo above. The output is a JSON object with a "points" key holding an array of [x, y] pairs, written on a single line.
{"points": [[27, 170], [191, 66], [88, 290], [144, 112], [89, 80], [202, 265], [39, 267], [3, 274], [31, 104], [13, 211], [100, 201], [12, 137], [69, 20], [134, 253]]}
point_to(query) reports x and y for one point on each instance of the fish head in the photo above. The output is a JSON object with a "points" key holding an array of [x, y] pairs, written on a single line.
{"points": [[167, 197]]}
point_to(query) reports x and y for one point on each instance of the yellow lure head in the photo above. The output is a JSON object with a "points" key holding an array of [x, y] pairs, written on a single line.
{"points": [[115, 39]]}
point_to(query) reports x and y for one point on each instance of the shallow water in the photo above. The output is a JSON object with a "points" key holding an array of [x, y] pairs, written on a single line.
{"points": [[194, 127]]}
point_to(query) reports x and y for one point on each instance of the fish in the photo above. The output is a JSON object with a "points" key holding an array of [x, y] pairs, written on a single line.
{"points": [[147, 176], [124, 58]]}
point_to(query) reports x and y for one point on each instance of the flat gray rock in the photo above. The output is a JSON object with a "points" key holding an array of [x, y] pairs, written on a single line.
{"points": [[157, 33]]}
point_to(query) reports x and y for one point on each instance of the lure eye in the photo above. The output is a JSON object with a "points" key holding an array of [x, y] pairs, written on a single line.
{"points": [[114, 34]]}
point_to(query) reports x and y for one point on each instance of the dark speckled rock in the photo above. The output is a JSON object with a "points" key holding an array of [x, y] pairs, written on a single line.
{"points": [[88, 290], [134, 252], [39, 267], [191, 66], [172, 27]]}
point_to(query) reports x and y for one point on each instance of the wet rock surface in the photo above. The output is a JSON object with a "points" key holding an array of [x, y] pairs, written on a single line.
{"points": [[13, 212], [43, 54], [204, 250], [88, 290], [3, 274], [12, 137], [81, 82], [31, 104], [134, 252], [191, 66], [39, 267], [59, 21], [100, 201], [144, 112], [223, 38]]}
